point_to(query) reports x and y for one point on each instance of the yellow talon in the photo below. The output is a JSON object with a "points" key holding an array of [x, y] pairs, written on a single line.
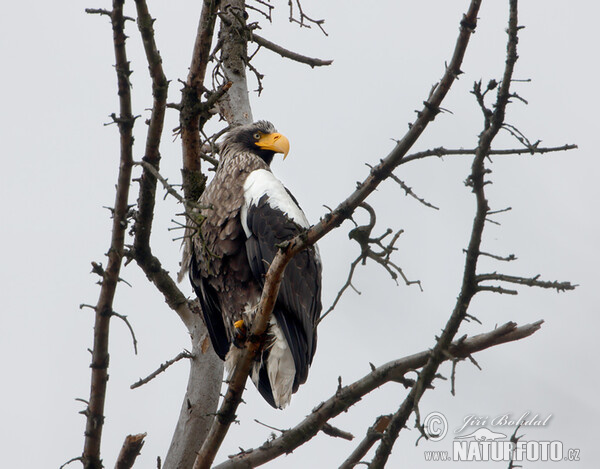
{"points": [[239, 324]]}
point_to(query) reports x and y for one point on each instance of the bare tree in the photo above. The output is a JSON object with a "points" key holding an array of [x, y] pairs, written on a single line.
{"points": [[217, 85]]}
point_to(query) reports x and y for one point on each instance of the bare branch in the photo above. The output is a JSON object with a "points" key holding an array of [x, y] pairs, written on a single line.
{"points": [[193, 180], [132, 446], [410, 192], [161, 368], [202, 44], [304, 20], [266, 14], [99, 366], [288, 54], [103, 12], [514, 439], [441, 151], [343, 289], [520, 136], [493, 124], [154, 172], [270, 427], [160, 85], [78, 458], [123, 318], [530, 282], [374, 433], [497, 289], [336, 432], [362, 235], [347, 396]]}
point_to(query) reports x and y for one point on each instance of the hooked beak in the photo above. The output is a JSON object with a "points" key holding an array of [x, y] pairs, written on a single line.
{"points": [[274, 142]]}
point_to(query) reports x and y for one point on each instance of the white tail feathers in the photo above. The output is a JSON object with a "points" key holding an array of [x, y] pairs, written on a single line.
{"points": [[281, 369]]}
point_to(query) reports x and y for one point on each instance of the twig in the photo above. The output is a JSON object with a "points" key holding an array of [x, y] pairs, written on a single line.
{"points": [[103, 12], [78, 458], [266, 14], [288, 54], [154, 172], [514, 439], [304, 18], [343, 289], [161, 368], [348, 395], [410, 192], [520, 136], [210, 145], [362, 235], [259, 77], [99, 366], [269, 426], [126, 321]]}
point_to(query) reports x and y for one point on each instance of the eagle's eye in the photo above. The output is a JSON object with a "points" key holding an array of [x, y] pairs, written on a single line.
{"points": [[256, 136]]}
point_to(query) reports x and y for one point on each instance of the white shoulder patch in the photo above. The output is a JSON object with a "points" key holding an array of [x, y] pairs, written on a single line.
{"points": [[262, 182]]}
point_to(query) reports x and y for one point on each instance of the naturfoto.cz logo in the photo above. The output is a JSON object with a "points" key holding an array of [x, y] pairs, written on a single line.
{"points": [[485, 444]]}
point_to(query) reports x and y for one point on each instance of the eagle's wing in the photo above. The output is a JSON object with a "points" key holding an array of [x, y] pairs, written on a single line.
{"points": [[270, 216], [211, 308]]}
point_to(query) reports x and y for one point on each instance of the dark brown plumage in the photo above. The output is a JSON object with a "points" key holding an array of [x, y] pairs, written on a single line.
{"points": [[250, 213]]}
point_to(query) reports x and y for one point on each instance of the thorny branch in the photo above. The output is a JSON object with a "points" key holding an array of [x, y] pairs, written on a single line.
{"points": [[103, 309], [191, 103], [441, 152], [346, 396], [493, 123], [409, 191]]}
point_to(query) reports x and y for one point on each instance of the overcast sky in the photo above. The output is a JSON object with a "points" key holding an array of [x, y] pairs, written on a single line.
{"points": [[59, 170]]}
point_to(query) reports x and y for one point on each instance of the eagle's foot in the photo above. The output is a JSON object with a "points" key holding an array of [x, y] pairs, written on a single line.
{"points": [[239, 333]]}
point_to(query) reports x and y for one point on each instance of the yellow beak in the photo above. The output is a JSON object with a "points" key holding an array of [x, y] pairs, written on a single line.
{"points": [[274, 142]]}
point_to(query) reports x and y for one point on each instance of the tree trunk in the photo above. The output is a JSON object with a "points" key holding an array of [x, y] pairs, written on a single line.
{"points": [[206, 370]]}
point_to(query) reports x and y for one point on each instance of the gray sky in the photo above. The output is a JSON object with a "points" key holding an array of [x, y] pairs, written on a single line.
{"points": [[60, 166]]}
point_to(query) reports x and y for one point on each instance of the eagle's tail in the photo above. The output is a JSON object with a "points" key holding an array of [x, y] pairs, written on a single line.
{"points": [[275, 372]]}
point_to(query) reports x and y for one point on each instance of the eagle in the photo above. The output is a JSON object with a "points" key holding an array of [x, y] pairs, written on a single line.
{"points": [[246, 213]]}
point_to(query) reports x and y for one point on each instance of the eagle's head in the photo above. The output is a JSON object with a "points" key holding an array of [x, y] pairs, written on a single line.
{"points": [[260, 138]]}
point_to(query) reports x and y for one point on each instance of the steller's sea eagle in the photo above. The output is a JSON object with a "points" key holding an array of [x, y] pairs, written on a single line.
{"points": [[246, 213]]}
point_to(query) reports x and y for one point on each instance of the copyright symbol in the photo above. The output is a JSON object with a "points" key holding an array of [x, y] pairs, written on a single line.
{"points": [[435, 426]]}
